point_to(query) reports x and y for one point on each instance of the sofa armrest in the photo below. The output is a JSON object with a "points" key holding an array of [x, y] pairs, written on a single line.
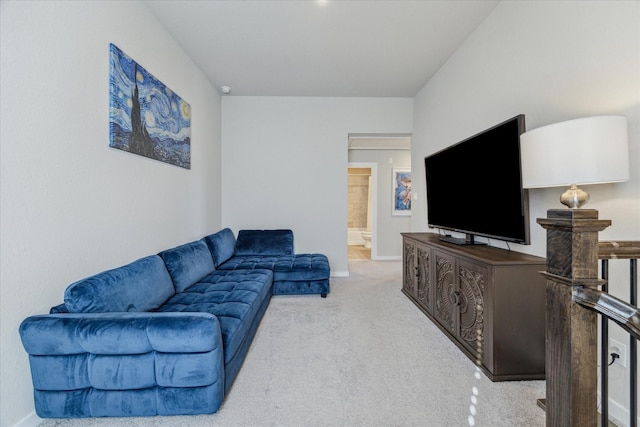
{"points": [[120, 333], [124, 364]]}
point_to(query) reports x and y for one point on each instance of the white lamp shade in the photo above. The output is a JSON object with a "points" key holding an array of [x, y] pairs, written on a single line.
{"points": [[589, 150]]}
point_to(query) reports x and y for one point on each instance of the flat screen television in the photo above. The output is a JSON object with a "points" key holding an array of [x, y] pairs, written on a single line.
{"points": [[475, 187]]}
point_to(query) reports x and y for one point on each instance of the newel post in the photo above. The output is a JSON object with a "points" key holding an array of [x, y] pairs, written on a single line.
{"points": [[571, 331]]}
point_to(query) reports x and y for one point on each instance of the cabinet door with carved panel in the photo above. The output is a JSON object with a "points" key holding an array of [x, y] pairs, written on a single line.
{"points": [[490, 302], [424, 288], [472, 280], [409, 279], [445, 291]]}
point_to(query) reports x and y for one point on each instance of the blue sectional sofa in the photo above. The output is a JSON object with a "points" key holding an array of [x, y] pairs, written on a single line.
{"points": [[165, 334]]}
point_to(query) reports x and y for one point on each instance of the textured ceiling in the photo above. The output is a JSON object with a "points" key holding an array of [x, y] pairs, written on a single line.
{"points": [[309, 48]]}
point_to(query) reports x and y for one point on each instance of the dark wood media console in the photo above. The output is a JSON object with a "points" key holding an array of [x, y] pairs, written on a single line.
{"points": [[489, 301]]}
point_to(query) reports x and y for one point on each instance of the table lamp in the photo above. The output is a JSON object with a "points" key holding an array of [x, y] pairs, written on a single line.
{"points": [[588, 150]]}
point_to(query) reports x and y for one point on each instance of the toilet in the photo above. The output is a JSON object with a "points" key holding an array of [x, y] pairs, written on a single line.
{"points": [[366, 236]]}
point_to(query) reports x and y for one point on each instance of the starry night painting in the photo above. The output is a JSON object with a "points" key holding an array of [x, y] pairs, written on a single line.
{"points": [[145, 116]]}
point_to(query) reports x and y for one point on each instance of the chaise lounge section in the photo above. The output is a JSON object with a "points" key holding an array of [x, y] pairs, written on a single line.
{"points": [[165, 334], [294, 274]]}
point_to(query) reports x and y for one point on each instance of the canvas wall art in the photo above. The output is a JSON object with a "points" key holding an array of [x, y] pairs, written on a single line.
{"points": [[146, 117], [401, 192]]}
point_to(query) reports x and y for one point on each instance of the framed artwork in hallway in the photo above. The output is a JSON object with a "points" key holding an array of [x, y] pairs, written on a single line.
{"points": [[146, 117], [401, 191]]}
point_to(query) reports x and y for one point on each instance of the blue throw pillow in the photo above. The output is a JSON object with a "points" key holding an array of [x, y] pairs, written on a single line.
{"points": [[264, 242], [188, 263], [142, 285], [221, 245]]}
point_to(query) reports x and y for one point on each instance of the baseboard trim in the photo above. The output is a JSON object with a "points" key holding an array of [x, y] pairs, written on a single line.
{"points": [[618, 414], [387, 258], [31, 420]]}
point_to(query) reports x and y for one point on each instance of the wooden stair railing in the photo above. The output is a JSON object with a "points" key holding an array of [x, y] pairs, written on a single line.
{"points": [[574, 298]]}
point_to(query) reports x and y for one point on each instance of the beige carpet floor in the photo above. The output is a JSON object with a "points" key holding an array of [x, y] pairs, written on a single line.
{"points": [[364, 356]]}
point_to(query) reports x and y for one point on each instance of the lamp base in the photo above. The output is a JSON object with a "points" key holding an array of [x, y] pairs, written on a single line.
{"points": [[574, 197]]}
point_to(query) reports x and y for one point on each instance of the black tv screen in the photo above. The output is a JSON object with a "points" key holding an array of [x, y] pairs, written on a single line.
{"points": [[475, 186]]}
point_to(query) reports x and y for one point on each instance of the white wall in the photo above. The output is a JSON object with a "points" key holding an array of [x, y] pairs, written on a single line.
{"points": [[285, 164], [552, 61], [71, 206], [388, 241]]}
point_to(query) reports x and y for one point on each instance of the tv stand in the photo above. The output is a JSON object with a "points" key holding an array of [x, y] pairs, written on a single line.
{"points": [[469, 239], [488, 301]]}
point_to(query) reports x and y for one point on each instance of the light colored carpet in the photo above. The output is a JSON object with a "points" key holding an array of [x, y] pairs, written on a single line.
{"points": [[364, 356]]}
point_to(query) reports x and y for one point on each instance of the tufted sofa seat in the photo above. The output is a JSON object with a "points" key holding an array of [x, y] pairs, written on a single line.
{"points": [[233, 297], [292, 274]]}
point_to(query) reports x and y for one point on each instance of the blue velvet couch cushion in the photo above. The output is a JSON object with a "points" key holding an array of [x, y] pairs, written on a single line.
{"points": [[221, 245], [188, 263], [299, 267], [142, 285], [264, 242], [92, 402], [234, 297]]}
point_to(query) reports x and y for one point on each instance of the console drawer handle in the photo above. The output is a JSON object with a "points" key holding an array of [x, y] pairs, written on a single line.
{"points": [[455, 298]]}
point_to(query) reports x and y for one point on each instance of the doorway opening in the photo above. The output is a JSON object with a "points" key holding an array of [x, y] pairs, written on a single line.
{"points": [[372, 159], [361, 212]]}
